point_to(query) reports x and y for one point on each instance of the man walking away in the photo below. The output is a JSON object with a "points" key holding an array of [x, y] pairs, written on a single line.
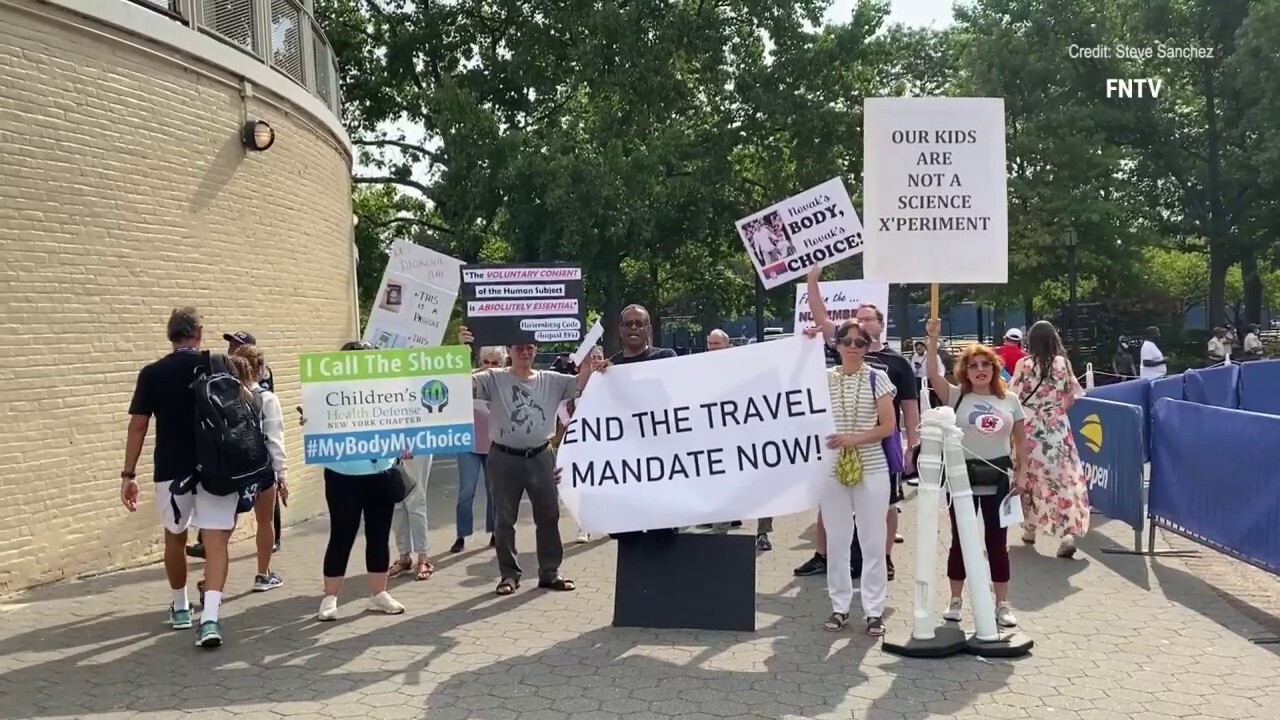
{"points": [[163, 391], [719, 340], [522, 406], [1153, 362]]}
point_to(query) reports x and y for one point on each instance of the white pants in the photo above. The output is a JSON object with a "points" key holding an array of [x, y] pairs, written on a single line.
{"points": [[409, 523], [869, 499], [195, 509]]}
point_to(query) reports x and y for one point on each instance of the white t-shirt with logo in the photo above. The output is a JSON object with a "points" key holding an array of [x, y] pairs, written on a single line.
{"points": [[987, 423], [1151, 352]]}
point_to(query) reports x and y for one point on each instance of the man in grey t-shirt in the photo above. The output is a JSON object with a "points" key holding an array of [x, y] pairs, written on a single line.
{"points": [[522, 406]]}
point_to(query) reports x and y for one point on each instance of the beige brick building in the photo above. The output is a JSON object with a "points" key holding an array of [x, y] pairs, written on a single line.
{"points": [[125, 191]]}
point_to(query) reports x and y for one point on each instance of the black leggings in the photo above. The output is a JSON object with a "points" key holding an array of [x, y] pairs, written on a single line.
{"points": [[349, 497]]}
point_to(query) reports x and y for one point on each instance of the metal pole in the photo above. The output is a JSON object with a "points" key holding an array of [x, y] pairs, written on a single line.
{"points": [[759, 310], [1075, 338]]}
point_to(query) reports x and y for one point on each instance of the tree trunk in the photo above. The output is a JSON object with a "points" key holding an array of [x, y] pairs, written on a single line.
{"points": [[1028, 310], [900, 302], [612, 309], [654, 303], [1252, 289]]}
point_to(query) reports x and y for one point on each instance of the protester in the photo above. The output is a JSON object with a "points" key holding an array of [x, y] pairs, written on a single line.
{"points": [[992, 421], [409, 525], [1010, 351], [163, 391], [1055, 496], [1153, 362], [564, 364], [862, 407], [356, 490], [522, 405], [719, 340], [906, 406], [273, 427], [473, 465]]}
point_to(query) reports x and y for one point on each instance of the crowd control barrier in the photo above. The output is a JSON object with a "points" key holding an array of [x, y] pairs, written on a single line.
{"points": [[1260, 386], [1218, 386], [1130, 392], [1214, 479], [1109, 438]]}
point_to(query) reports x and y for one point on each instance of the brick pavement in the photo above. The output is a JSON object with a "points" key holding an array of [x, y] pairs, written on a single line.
{"points": [[1117, 637]]}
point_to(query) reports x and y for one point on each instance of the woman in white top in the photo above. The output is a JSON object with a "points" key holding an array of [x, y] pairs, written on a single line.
{"points": [[862, 406], [254, 364]]}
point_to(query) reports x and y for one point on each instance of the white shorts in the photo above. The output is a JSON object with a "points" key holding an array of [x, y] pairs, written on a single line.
{"points": [[196, 509]]}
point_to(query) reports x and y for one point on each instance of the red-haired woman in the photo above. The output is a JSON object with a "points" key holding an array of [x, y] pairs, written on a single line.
{"points": [[993, 424]]}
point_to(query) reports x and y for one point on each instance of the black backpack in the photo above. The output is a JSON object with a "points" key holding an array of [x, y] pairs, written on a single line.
{"points": [[231, 448]]}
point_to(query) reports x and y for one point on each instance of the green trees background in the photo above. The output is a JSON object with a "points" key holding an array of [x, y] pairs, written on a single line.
{"points": [[628, 136]]}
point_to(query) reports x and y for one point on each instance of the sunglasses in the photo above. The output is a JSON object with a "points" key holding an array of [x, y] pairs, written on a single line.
{"points": [[980, 365], [857, 342], [634, 324]]}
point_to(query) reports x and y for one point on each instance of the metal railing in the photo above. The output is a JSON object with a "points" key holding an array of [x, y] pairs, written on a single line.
{"points": [[282, 34]]}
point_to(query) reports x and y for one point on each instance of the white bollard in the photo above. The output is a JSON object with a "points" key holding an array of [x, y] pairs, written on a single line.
{"points": [[976, 570], [1088, 376], [933, 425]]}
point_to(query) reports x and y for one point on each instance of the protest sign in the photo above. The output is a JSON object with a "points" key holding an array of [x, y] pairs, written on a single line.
{"points": [[377, 403], [523, 303], [701, 438], [935, 194], [416, 298], [815, 228], [842, 298]]}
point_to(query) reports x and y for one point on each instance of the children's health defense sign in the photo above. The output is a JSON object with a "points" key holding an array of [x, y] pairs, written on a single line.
{"points": [[416, 298], [375, 404], [813, 229], [935, 199], [695, 439], [522, 304]]}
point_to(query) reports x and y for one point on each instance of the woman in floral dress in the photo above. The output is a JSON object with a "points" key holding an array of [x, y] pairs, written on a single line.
{"points": [[1056, 497]]}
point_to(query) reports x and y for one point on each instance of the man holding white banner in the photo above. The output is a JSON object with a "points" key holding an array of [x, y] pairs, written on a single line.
{"points": [[697, 440]]}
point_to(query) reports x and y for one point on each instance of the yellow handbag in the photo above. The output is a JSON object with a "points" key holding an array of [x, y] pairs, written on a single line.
{"points": [[849, 461]]}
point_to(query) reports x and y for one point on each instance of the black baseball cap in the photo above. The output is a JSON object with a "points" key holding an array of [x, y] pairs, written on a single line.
{"points": [[240, 338]]}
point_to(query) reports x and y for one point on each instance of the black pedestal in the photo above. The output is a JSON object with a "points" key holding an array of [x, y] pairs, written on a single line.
{"points": [[947, 640], [693, 581], [1010, 645]]}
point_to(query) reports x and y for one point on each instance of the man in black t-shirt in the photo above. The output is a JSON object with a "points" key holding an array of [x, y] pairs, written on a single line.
{"points": [[636, 332], [164, 392]]}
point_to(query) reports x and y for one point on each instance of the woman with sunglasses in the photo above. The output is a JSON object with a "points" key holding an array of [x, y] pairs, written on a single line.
{"points": [[862, 406], [352, 494], [472, 465], [992, 421]]}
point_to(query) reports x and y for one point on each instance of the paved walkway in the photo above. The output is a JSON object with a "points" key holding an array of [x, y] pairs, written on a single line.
{"points": [[1117, 637]]}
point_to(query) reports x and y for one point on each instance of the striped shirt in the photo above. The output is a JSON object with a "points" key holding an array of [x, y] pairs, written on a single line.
{"points": [[854, 409]]}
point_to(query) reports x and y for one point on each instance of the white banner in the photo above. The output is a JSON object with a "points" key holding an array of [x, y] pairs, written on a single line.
{"points": [[813, 229], [711, 437], [416, 298], [935, 197], [842, 298]]}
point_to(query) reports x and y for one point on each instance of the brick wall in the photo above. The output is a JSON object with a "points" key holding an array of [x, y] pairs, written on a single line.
{"points": [[124, 192]]}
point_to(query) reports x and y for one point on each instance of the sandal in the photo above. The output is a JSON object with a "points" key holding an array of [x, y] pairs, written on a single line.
{"points": [[559, 584], [507, 587], [425, 570], [399, 567], [836, 622], [875, 627]]}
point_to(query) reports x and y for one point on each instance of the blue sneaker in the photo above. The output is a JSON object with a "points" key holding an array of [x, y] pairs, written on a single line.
{"points": [[179, 619], [270, 581], [209, 635]]}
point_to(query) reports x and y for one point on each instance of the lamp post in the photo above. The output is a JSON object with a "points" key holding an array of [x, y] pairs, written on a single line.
{"points": [[1069, 237]]}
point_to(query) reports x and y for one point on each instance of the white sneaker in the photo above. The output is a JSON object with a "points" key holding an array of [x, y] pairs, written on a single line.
{"points": [[384, 603], [1005, 617], [1029, 535], [953, 610], [584, 536], [328, 608]]}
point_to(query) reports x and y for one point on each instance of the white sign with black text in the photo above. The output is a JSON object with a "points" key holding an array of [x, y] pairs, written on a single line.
{"points": [[813, 229], [935, 199], [710, 437], [842, 298], [415, 301]]}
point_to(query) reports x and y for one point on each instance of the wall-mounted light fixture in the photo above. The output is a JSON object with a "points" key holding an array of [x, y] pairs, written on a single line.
{"points": [[257, 135]]}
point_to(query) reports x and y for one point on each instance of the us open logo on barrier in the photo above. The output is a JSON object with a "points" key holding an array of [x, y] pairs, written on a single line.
{"points": [[1091, 432]]}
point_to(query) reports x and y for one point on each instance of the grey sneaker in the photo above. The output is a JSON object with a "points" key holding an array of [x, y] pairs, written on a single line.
{"points": [[954, 610], [1005, 617], [270, 581], [209, 635], [179, 619]]}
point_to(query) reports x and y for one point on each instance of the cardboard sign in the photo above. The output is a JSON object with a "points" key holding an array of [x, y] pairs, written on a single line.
{"points": [[525, 303], [813, 229], [416, 298], [935, 200], [842, 298]]}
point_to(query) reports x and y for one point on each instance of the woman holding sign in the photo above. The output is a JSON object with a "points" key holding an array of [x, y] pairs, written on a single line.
{"points": [[862, 405]]}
